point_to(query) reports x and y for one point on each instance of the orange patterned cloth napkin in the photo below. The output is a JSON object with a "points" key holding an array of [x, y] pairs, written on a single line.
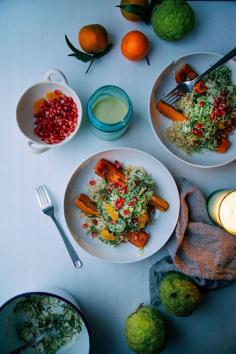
{"points": [[197, 248]]}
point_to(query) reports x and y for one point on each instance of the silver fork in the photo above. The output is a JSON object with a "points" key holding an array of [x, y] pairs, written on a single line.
{"points": [[47, 207], [187, 86], [34, 341]]}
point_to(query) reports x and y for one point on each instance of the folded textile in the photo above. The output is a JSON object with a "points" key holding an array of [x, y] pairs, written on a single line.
{"points": [[197, 248]]}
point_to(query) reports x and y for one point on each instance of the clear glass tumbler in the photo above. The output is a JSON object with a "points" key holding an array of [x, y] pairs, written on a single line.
{"points": [[106, 130]]}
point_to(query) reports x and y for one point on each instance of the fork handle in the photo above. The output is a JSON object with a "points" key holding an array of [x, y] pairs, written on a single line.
{"points": [[73, 255], [220, 62]]}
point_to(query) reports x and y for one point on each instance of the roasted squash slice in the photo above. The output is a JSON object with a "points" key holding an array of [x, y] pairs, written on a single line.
{"points": [[108, 171], [170, 112], [84, 203], [159, 203], [138, 238]]}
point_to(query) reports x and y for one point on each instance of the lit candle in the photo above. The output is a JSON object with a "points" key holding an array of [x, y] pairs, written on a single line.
{"points": [[222, 209]]}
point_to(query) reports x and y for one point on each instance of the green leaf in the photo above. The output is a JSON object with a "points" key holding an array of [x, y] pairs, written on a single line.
{"points": [[78, 53], [79, 57], [104, 52], [137, 10]]}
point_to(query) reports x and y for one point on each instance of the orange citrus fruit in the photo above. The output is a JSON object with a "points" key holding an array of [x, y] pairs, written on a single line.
{"points": [[135, 45], [93, 38], [128, 15]]}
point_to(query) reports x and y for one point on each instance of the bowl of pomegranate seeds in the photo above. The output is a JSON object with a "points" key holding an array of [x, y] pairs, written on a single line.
{"points": [[49, 113]]}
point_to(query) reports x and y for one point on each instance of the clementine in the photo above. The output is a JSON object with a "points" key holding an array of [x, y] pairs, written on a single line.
{"points": [[135, 45], [128, 15], [93, 38]]}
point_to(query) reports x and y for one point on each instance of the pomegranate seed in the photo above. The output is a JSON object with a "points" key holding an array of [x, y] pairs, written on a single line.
{"points": [[126, 212], [117, 164], [54, 122], [197, 132], [135, 220], [234, 122], [92, 182], [135, 199], [198, 125], [131, 203], [95, 222], [94, 234], [124, 190], [84, 226], [201, 104], [216, 112], [223, 93]]}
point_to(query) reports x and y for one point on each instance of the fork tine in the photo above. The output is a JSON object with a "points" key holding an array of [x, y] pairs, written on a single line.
{"points": [[174, 99], [171, 93], [39, 197], [43, 195], [45, 192]]}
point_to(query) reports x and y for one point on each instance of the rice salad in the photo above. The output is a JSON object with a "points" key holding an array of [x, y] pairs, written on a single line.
{"points": [[121, 210], [211, 117]]}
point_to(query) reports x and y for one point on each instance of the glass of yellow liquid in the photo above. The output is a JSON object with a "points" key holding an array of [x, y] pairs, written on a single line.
{"points": [[109, 111], [222, 209]]}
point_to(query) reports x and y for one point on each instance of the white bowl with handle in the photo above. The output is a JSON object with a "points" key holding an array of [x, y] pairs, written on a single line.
{"points": [[24, 111]]}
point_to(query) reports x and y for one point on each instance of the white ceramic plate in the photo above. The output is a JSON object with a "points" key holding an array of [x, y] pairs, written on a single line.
{"points": [[163, 84], [9, 339], [160, 230]]}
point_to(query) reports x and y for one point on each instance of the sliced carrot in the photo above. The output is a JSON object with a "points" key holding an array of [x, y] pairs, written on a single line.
{"points": [[138, 238], [157, 202], [107, 170], [84, 203], [223, 146], [170, 112]]}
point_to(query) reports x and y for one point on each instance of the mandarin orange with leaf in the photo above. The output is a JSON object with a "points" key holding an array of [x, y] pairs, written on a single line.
{"points": [[93, 38], [129, 15]]}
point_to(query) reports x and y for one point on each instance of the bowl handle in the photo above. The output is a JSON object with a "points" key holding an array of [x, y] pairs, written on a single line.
{"points": [[50, 73], [36, 149]]}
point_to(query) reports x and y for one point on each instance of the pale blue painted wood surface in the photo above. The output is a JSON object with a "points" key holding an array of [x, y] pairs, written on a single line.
{"points": [[31, 254]]}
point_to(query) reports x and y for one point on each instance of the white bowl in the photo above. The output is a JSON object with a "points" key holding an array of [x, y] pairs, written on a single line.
{"points": [[24, 110], [161, 228], [163, 84], [8, 320]]}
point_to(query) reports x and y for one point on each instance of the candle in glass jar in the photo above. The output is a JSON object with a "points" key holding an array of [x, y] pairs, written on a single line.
{"points": [[222, 209]]}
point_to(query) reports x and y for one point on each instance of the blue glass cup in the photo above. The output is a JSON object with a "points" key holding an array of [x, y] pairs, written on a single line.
{"points": [[109, 131]]}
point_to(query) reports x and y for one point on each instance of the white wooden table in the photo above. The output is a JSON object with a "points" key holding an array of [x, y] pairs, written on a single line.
{"points": [[32, 255]]}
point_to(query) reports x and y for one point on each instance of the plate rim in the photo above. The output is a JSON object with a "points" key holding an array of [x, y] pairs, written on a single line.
{"points": [[150, 117], [73, 174]]}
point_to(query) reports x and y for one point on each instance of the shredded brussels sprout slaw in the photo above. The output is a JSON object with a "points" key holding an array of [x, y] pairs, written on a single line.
{"points": [[211, 116], [121, 209], [40, 313]]}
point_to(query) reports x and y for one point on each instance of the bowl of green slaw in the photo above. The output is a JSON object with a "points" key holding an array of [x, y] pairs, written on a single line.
{"points": [[27, 315]]}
